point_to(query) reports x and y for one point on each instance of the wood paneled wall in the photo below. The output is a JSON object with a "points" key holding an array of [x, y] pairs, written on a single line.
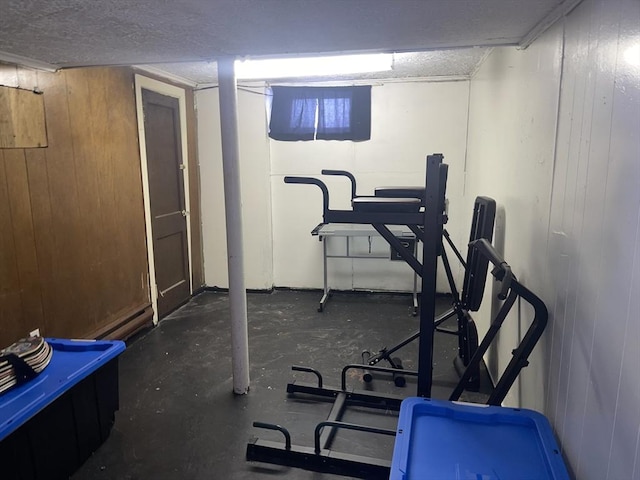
{"points": [[72, 233]]}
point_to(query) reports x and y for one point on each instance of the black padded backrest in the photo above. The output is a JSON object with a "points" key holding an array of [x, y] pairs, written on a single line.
{"points": [[475, 276]]}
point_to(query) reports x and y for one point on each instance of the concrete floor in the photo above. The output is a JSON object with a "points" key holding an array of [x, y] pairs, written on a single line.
{"points": [[179, 419]]}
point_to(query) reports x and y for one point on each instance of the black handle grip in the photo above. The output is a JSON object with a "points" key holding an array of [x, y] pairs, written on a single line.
{"points": [[337, 172], [309, 180], [502, 271], [343, 173], [313, 181]]}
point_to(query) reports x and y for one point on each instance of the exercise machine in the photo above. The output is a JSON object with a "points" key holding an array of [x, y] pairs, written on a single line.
{"points": [[321, 457], [400, 199], [426, 222]]}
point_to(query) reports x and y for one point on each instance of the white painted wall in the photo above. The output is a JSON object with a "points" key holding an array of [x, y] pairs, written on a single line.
{"points": [[512, 118], [571, 229], [256, 194], [409, 121], [593, 390]]}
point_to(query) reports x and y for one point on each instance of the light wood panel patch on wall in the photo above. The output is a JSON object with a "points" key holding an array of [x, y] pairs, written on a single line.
{"points": [[22, 120]]}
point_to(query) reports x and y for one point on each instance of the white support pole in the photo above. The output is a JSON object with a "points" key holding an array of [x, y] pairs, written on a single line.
{"points": [[233, 209]]}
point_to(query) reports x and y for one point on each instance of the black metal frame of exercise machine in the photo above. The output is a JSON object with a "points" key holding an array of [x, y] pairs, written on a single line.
{"points": [[321, 457], [427, 224], [472, 292]]}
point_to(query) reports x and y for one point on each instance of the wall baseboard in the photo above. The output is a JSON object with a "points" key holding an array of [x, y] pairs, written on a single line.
{"points": [[125, 326], [296, 289]]}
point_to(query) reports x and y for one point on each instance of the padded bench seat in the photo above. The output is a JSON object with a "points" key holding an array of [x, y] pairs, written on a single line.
{"points": [[387, 205], [400, 192]]}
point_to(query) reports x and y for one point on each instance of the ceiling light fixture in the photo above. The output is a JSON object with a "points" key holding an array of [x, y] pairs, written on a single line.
{"points": [[263, 69]]}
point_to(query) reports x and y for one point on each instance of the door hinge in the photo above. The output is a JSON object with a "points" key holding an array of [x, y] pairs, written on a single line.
{"points": [[183, 166], [184, 213]]}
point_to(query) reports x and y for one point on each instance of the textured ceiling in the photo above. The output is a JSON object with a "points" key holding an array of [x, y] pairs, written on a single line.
{"points": [[115, 32]]}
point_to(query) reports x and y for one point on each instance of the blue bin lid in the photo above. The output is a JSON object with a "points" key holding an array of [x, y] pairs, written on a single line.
{"points": [[442, 439], [72, 361]]}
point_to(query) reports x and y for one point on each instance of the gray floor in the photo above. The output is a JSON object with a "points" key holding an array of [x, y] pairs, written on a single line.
{"points": [[179, 419]]}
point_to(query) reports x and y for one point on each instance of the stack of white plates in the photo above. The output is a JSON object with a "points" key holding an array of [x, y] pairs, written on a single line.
{"points": [[34, 351]]}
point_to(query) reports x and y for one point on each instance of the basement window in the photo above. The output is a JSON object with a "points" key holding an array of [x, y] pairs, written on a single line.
{"points": [[320, 113]]}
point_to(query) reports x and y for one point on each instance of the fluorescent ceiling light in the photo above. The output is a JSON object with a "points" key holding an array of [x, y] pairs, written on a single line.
{"points": [[312, 66]]}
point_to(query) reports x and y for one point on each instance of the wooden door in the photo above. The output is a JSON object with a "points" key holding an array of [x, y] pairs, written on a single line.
{"points": [[167, 199]]}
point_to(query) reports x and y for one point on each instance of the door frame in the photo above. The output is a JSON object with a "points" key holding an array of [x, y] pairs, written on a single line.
{"points": [[179, 93]]}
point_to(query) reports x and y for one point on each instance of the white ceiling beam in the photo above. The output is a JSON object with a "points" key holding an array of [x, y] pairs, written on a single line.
{"points": [[166, 75], [27, 62], [543, 25]]}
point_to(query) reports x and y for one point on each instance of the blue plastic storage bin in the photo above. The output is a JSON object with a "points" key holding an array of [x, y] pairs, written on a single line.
{"points": [[51, 424], [443, 440]]}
